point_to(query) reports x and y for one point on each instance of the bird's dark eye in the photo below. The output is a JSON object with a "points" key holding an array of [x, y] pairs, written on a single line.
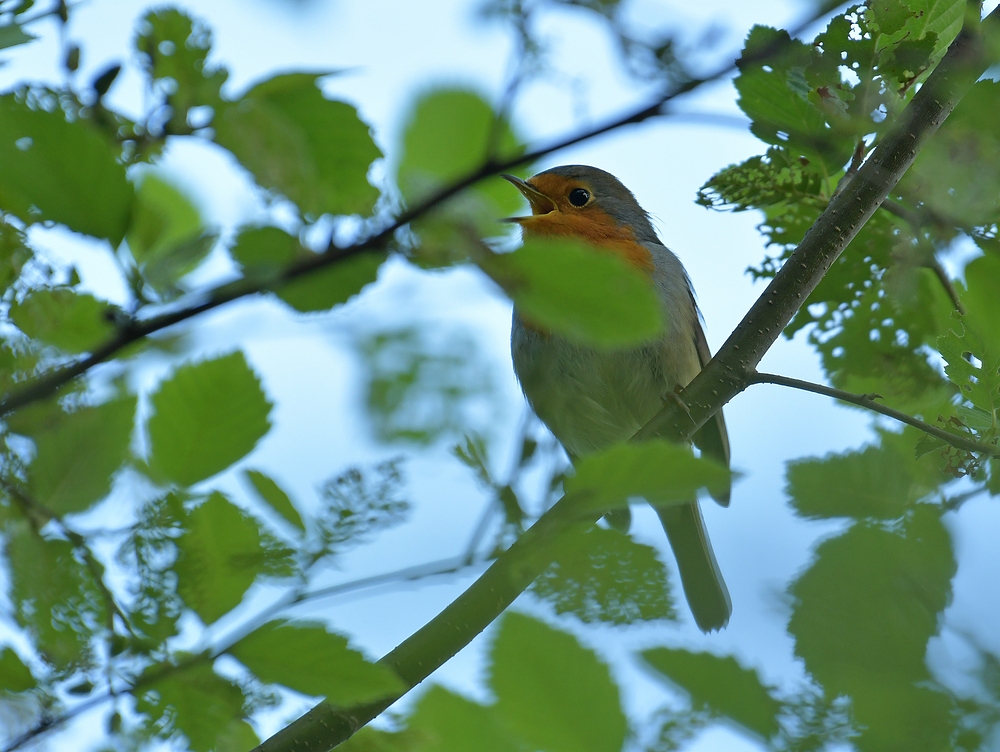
{"points": [[579, 197]]}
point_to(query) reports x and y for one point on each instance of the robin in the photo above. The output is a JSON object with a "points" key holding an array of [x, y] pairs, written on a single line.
{"points": [[591, 398]]}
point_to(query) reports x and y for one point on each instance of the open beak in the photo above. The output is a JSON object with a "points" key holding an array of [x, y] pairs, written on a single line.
{"points": [[540, 203]]}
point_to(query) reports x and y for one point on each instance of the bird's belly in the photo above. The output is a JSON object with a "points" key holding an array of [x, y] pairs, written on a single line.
{"points": [[588, 398]]}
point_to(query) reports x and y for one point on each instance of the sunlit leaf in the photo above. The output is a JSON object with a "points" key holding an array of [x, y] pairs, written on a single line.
{"points": [[552, 692], [275, 497], [206, 416], [309, 659], [72, 321], [72, 468], [14, 675], [658, 471], [62, 171], [173, 50], [219, 557], [193, 701], [588, 296], [56, 600], [721, 684], [446, 722], [863, 614], [299, 143], [603, 575]]}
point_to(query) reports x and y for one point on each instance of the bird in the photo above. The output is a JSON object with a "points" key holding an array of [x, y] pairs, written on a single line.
{"points": [[591, 398]]}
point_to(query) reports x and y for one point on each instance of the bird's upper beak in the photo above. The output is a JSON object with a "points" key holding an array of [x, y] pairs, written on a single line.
{"points": [[540, 203]]}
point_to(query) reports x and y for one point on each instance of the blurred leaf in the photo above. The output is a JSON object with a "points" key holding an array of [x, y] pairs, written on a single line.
{"points": [[419, 392], [309, 659], [11, 35], [61, 171], [275, 497], [14, 253], [219, 557], [72, 321], [337, 283], [878, 482], [207, 416], [55, 598], [368, 739], [165, 270], [356, 504], [264, 251], [14, 675], [864, 612], [722, 684], [193, 701], [238, 736], [162, 217], [296, 141], [603, 575], [658, 471], [173, 51], [586, 295], [77, 453], [552, 692], [446, 722]]}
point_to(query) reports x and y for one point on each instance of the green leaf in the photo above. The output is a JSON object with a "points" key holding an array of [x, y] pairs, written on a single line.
{"points": [[14, 675], [219, 557], [264, 252], [584, 294], [722, 684], [658, 471], [11, 35], [275, 497], [307, 658], [72, 321], [299, 143], [162, 217], [206, 416], [14, 253], [337, 283], [552, 692], [71, 469], [55, 598], [446, 722], [173, 51], [603, 575], [193, 701], [61, 171], [166, 269]]}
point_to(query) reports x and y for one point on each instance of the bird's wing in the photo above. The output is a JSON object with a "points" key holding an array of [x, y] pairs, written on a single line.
{"points": [[713, 438]]}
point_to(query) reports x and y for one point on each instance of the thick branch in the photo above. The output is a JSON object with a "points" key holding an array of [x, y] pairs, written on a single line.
{"points": [[868, 402]]}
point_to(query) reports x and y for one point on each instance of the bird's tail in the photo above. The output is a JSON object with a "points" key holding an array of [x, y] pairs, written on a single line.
{"points": [[706, 591]]}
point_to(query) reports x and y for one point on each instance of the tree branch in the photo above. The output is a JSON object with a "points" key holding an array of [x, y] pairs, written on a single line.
{"points": [[868, 401], [724, 377], [132, 331]]}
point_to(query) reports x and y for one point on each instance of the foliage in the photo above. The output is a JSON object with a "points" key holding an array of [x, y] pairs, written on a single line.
{"points": [[130, 616]]}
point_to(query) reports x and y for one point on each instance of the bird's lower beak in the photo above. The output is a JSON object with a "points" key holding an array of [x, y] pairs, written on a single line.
{"points": [[540, 203]]}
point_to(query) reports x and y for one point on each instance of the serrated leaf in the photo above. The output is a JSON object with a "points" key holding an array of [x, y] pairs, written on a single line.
{"points": [[553, 693], [72, 469], [446, 722], [295, 141], [219, 557], [325, 288], [194, 701], [586, 295], [722, 684], [658, 471], [14, 675], [172, 47], [275, 497], [603, 575], [309, 659], [61, 171], [206, 416], [72, 321], [55, 598]]}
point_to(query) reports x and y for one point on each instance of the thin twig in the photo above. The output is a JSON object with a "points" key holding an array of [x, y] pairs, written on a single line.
{"points": [[868, 401]]}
